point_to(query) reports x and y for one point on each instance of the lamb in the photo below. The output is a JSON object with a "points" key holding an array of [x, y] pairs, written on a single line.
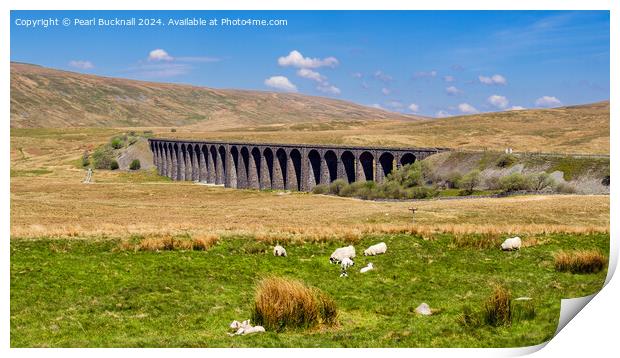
{"points": [[513, 243], [341, 253], [344, 265], [367, 268], [243, 328], [377, 249], [279, 251]]}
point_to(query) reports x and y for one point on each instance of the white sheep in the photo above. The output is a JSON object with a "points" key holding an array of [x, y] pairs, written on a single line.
{"points": [[243, 328], [346, 263], [255, 329], [341, 253], [279, 251], [513, 243], [367, 268], [377, 249]]}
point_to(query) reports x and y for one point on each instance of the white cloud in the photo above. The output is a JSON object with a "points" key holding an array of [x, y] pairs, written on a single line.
{"points": [[414, 108], [83, 65], [377, 106], [327, 88], [357, 75], [493, 80], [383, 77], [449, 78], [423, 74], [442, 114], [498, 101], [311, 75], [453, 91], [159, 55], [296, 59], [516, 108], [467, 108], [548, 101], [386, 91], [396, 104], [281, 83]]}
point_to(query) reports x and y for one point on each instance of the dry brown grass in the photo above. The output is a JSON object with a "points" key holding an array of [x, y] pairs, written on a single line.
{"points": [[281, 303], [57, 204], [483, 241], [580, 261], [498, 307], [170, 243]]}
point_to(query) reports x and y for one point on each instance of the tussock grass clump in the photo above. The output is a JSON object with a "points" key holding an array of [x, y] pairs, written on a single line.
{"points": [[171, 243], [483, 241], [498, 307], [523, 310], [281, 303], [581, 261]]}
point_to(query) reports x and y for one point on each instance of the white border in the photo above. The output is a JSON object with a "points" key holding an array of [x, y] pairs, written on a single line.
{"points": [[590, 332]]}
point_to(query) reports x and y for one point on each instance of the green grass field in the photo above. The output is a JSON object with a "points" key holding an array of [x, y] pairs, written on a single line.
{"points": [[89, 293]]}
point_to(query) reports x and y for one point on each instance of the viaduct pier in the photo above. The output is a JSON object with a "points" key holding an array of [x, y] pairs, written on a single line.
{"points": [[277, 166]]}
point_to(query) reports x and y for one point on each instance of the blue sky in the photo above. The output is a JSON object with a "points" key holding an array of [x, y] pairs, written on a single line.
{"points": [[434, 63]]}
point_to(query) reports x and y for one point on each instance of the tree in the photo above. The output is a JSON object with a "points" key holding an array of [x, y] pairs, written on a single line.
{"points": [[113, 165], [469, 181], [542, 181]]}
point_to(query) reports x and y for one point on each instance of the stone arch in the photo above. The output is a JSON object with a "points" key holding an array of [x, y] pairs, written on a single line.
{"points": [[203, 175], [278, 180], [196, 163], [233, 170], [407, 158], [314, 169], [293, 170], [172, 163], [386, 165], [189, 163], [254, 169], [365, 167], [242, 169], [348, 163], [222, 164], [329, 171], [266, 179]]}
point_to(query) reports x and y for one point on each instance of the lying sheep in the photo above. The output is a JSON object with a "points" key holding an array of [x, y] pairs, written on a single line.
{"points": [[367, 268], [279, 251], [513, 243], [243, 328], [377, 249], [341, 253]]}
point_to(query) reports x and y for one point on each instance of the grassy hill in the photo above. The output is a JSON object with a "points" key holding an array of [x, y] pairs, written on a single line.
{"points": [[44, 97]]}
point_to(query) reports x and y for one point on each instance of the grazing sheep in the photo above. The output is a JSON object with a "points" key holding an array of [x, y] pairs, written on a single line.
{"points": [[279, 251], [341, 253], [346, 263], [513, 243], [367, 268], [377, 249]]}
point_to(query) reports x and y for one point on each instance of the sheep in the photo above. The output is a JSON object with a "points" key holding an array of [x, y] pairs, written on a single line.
{"points": [[346, 263], [367, 268], [377, 249], [344, 252], [279, 251], [513, 243], [243, 328]]}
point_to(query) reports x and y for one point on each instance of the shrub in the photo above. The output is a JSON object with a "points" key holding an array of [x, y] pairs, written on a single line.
{"points": [[452, 181], [116, 143], [135, 164], [113, 165], [581, 261], [541, 181], [469, 181], [320, 189], [102, 157], [281, 303], [336, 186], [173, 130], [85, 159], [421, 193], [408, 176], [506, 160], [497, 308], [565, 188], [492, 182], [514, 182]]}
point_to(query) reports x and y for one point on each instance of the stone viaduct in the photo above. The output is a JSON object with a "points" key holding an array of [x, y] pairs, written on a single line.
{"points": [[277, 166]]}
